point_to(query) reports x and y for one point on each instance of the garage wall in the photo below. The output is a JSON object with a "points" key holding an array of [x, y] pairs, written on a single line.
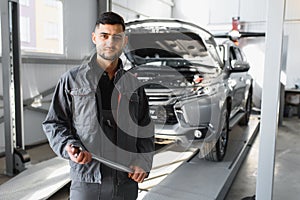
{"points": [[134, 9], [216, 12], [292, 31], [194, 11]]}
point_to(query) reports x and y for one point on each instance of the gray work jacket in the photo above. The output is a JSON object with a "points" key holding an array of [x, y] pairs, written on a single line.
{"points": [[72, 119]]}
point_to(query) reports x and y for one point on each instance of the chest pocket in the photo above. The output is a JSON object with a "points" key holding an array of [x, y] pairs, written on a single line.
{"points": [[84, 109]]}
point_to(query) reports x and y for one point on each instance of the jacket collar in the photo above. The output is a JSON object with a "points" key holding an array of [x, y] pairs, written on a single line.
{"points": [[97, 71]]}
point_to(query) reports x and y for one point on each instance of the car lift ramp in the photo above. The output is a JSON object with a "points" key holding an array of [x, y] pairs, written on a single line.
{"points": [[205, 180], [39, 181], [180, 174]]}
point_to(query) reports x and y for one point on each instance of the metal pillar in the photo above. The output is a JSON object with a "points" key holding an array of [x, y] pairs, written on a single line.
{"points": [[12, 90], [270, 97], [283, 78], [17, 74]]}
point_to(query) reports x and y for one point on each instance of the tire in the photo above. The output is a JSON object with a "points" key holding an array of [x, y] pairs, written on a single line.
{"points": [[215, 151], [248, 107]]}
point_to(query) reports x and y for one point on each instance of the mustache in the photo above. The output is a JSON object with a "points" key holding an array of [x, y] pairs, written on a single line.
{"points": [[109, 48]]}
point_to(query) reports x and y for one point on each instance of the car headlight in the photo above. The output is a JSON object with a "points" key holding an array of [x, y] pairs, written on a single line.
{"points": [[163, 114]]}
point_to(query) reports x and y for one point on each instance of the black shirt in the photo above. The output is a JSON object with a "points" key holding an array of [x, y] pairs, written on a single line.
{"points": [[106, 86]]}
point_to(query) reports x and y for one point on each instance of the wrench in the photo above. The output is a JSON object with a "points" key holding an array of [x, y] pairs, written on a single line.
{"points": [[109, 163]]}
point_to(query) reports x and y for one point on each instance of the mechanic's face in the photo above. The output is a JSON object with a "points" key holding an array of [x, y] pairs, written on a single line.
{"points": [[109, 40]]}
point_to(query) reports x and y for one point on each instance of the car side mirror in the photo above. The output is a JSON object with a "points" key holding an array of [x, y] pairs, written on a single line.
{"points": [[239, 66]]}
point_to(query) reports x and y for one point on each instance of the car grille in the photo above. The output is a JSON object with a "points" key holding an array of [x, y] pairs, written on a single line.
{"points": [[160, 97]]}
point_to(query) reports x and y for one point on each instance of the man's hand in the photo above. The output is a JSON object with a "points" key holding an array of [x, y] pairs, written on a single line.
{"points": [[78, 156], [138, 174]]}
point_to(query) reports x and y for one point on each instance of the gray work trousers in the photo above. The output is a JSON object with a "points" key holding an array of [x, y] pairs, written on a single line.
{"points": [[94, 191]]}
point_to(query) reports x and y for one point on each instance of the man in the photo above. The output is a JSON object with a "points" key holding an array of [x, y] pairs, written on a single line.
{"points": [[100, 108]]}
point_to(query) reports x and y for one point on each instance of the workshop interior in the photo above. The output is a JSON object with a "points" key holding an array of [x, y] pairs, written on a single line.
{"points": [[222, 80]]}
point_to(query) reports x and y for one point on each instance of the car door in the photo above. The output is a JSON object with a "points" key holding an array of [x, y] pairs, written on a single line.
{"points": [[237, 80]]}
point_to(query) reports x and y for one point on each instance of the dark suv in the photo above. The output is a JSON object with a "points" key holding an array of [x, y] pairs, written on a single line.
{"points": [[194, 86]]}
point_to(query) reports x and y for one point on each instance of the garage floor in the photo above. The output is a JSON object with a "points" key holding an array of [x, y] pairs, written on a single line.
{"points": [[287, 175], [287, 162]]}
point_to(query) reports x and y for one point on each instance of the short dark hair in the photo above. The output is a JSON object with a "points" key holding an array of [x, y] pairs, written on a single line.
{"points": [[110, 18]]}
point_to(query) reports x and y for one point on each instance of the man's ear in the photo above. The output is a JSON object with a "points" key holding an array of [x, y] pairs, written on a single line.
{"points": [[125, 41], [94, 37]]}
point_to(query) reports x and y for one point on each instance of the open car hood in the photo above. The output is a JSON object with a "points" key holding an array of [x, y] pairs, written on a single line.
{"points": [[166, 39]]}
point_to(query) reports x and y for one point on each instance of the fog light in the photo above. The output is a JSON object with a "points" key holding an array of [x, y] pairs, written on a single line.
{"points": [[197, 134]]}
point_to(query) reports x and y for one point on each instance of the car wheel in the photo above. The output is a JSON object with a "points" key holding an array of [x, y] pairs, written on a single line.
{"points": [[215, 151], [248, 107]]}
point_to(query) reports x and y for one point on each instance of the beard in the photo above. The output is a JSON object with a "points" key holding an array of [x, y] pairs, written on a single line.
{"points": [[111, 55]]}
